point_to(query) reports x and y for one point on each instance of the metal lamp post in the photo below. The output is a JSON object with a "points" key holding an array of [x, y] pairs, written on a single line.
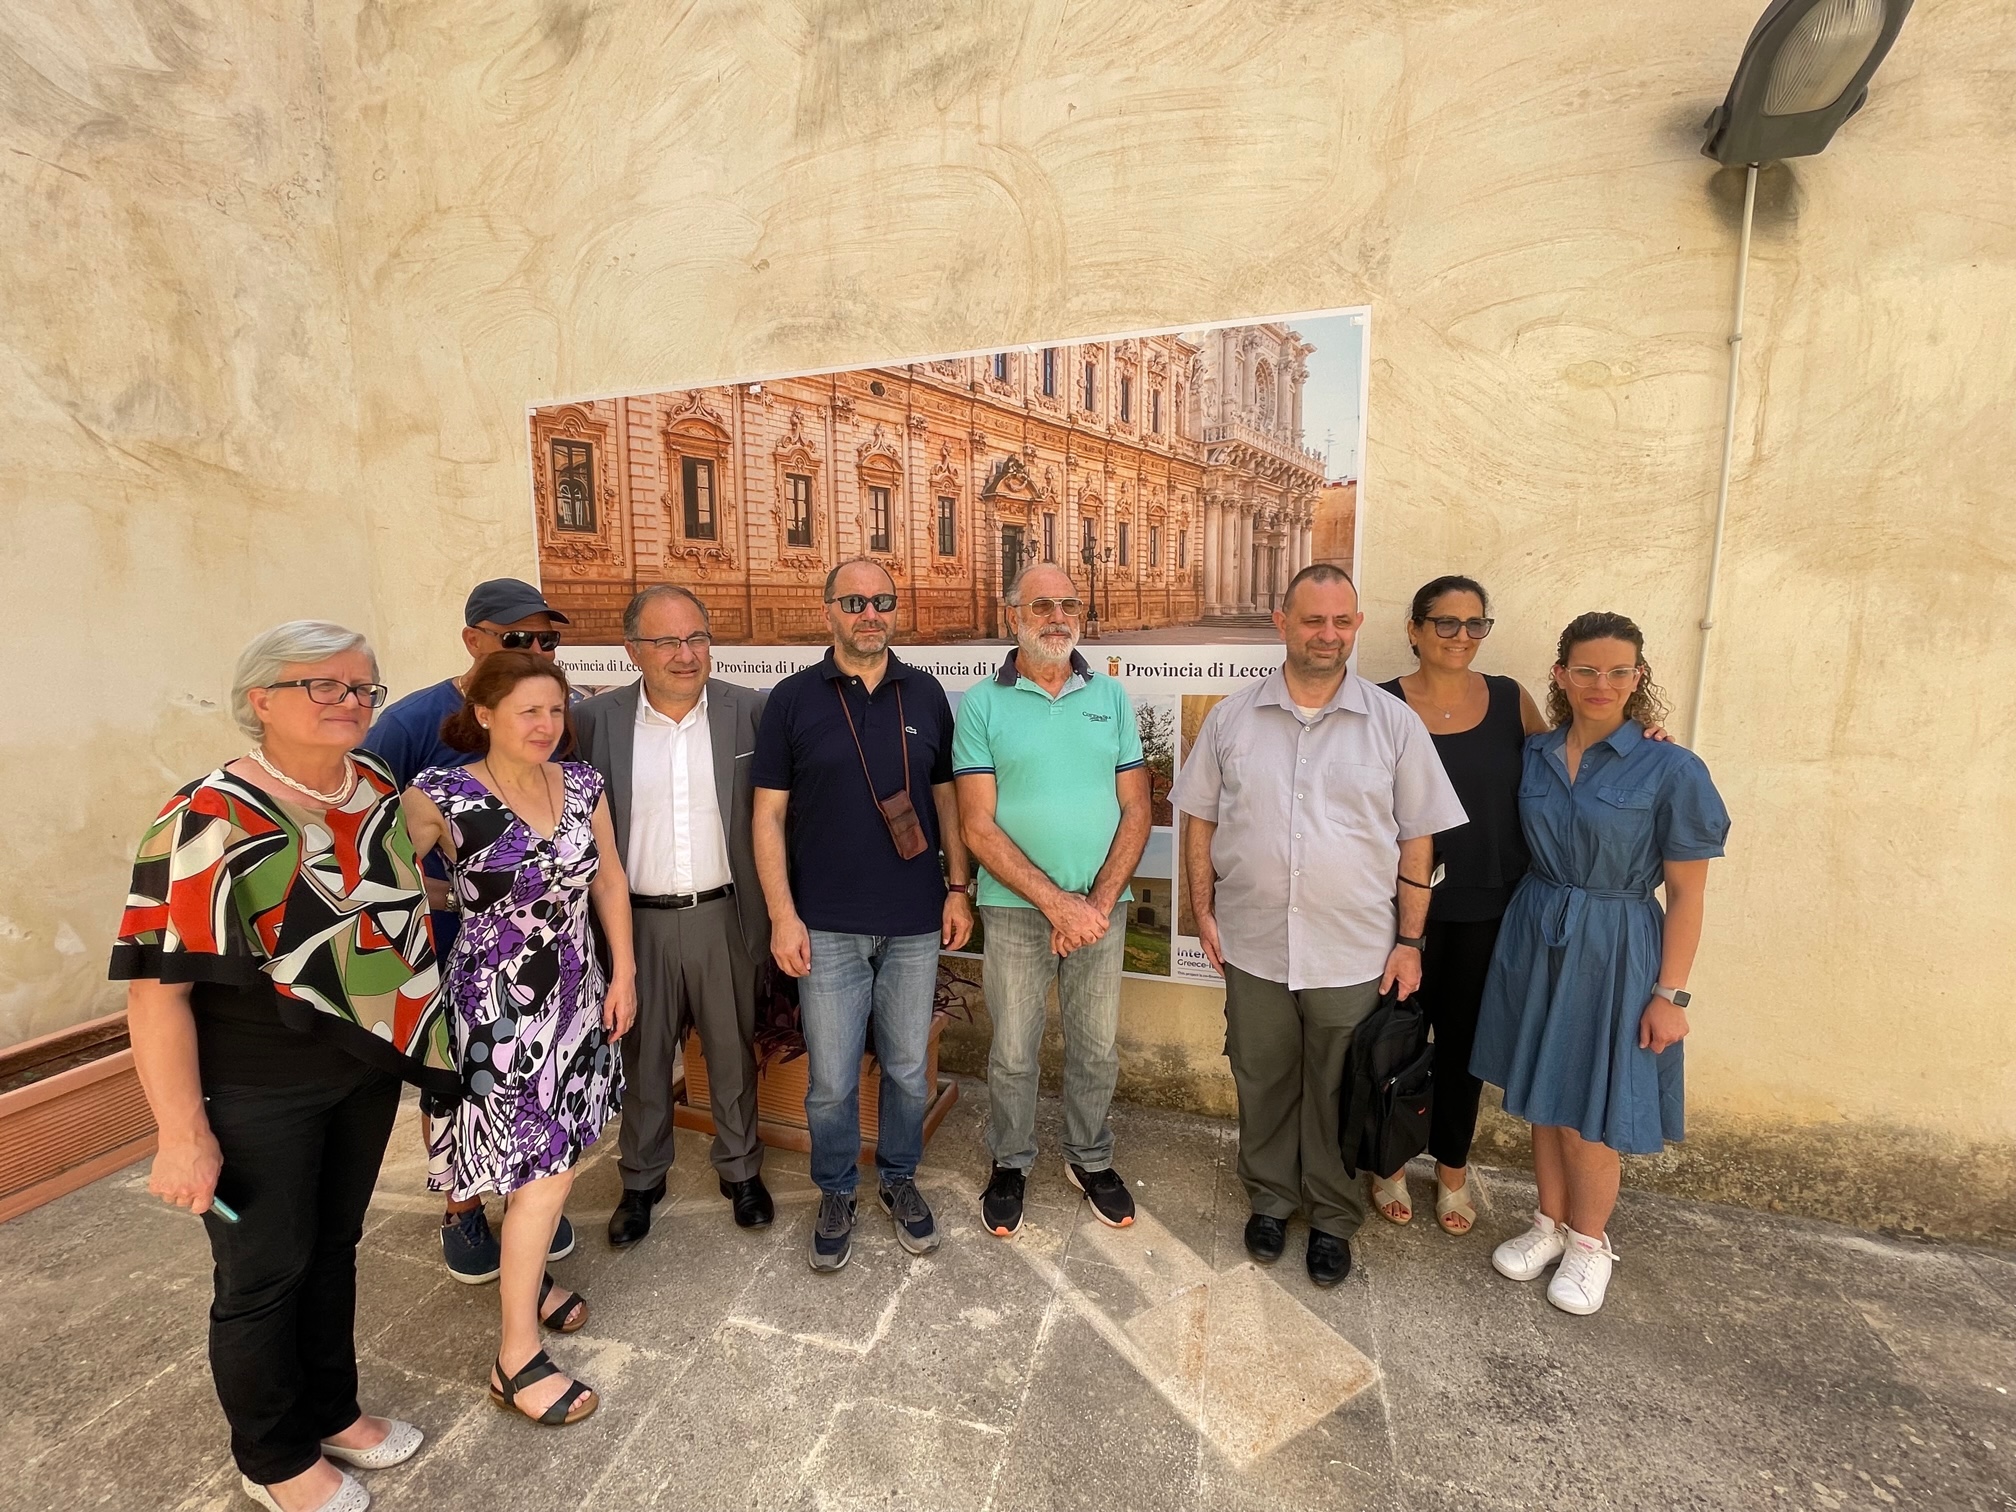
{"points": [[1089, 555], [1805, 70]]}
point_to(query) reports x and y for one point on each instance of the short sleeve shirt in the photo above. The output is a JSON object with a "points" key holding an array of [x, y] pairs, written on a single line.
{"points": [[1310, 816], [846, 877], [1054, 761]]}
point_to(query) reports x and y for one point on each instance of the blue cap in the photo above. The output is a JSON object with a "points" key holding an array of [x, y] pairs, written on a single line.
{"points": [[505, 600]]}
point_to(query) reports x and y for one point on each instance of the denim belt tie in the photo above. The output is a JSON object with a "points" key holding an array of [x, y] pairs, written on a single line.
{"points": [[1561, 916]]}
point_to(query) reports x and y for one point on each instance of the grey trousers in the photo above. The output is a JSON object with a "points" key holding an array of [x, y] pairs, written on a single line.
{"points": [[1287, 1051], [693, 969]]}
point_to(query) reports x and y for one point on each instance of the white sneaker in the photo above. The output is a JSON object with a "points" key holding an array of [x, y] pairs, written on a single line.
{"points": [[1523, 1258], [1584, 1276]]}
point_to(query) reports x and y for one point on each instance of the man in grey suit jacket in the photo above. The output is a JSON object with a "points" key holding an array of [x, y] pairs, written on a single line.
{"points": [[675, 749]]}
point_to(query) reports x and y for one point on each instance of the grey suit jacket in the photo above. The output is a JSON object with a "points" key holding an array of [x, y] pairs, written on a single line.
{"points": [[607, 727]]}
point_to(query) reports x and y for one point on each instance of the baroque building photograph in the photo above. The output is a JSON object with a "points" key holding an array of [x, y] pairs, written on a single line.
{"points": [[1172, 475]]}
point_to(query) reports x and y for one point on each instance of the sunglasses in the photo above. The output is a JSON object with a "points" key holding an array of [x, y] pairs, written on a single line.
{"points": [[1446, 626], [1043, 608], [525, 640], [333, 690], [854, 603]]}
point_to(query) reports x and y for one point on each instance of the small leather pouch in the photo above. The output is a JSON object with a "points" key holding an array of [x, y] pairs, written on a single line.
{"points": [[901, 817]]}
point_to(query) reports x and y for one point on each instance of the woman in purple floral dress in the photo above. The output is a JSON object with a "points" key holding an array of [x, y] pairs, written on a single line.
{"points": [[534, 1022]]}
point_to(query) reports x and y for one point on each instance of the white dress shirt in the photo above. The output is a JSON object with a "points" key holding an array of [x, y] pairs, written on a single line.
{"points": [[677, 841], [1310, 815]]}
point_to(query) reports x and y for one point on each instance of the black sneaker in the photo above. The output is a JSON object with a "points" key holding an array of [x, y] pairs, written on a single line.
{"points": [[563, 1240], [469, 1247], [916, 1229], [833, 1231], [1112, 1203], [1001, 1203]]}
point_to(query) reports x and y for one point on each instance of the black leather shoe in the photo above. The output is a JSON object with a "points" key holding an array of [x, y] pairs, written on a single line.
{"points": [[1329, 1258], [632, 1219], [1265, 1238], [753, 1208]]}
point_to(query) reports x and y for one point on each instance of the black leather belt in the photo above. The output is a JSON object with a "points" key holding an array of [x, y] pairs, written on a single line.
{"points": [[680, 900]]}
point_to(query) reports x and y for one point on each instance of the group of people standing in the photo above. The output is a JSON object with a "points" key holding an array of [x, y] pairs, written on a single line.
{"points": [[605, 876]]}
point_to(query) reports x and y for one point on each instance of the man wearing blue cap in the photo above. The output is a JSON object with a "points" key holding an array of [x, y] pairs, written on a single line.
{"points": [[503, 614]]}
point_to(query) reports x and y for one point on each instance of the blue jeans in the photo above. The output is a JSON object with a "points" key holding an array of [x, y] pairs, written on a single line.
{"points": [[1017, 973], [891, 978]]}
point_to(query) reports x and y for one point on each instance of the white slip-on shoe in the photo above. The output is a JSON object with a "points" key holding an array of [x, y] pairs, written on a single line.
{"points": [[1584, 1274], [1525, 1257], [394, 1449], [350, 1496]]}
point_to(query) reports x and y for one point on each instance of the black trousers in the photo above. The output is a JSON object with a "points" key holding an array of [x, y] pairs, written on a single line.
{"points": [[1453, 968], [299, 1165]]}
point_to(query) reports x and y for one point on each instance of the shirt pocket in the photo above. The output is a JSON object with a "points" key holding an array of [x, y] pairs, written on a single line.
{"points": [[1359, 798]]}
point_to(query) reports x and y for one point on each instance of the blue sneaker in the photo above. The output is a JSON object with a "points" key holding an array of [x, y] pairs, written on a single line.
{"points": [[833, 1231], [563, 1240], [471, 1250]]}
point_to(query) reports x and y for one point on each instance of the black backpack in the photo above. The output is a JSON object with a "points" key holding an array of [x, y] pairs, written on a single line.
{"points": [[1389, 1088]]}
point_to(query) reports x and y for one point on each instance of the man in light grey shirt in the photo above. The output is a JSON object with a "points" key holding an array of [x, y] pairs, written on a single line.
{"points": [[1309, 800]]}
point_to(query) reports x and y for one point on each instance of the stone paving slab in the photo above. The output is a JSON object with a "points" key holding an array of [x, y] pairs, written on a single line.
{"points": [[1744, 1361]]}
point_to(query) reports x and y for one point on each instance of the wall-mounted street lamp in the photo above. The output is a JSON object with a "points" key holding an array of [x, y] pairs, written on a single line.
{"points": [[1805, 70]]}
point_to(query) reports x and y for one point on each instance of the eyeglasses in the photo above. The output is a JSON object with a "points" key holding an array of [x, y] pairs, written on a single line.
{"points": [[524, 640], [333, 690], [1043, 608], [1616, 677], [1446, 626], [854, 603], [697, 642]]}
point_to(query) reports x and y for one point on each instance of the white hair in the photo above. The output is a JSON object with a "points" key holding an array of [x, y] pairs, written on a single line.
{"points": [[293, 644]]}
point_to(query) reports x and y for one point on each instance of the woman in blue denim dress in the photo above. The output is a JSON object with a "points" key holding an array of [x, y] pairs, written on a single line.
{"points": [[1584, 1009]]}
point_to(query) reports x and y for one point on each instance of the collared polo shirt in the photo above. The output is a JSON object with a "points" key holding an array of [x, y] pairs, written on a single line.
{"points": [[1310, 815], [845, 874], [1054, 763]]}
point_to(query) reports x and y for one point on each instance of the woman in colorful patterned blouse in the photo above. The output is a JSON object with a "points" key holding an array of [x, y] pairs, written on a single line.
{"points": [[529, 846], [281, 985]]}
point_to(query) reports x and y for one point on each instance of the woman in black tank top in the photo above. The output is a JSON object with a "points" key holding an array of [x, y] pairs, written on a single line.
{"points": [[1480, 725]]}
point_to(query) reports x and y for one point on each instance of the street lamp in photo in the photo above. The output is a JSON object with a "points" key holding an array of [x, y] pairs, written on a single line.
{"points": [[1805, 70]]}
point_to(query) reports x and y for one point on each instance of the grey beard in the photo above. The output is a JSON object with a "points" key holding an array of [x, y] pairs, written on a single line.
{"points": [[1032, 646]]}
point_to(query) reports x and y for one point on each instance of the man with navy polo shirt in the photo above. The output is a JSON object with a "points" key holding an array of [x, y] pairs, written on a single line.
{"points": [[854, 796], [1054, 796], [503, 614]]}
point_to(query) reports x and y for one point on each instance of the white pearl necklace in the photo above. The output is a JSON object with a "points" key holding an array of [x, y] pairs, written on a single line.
{"points": [[333, 800]]}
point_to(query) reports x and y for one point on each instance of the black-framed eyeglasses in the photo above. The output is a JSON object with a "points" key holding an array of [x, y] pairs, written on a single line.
{"points": [[1043, 608], [333, 690], [1446, 626], [854, 603], [697, 642], [525, 640]]}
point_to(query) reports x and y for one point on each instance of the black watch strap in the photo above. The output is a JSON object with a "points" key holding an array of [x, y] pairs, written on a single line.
{"points": [[1413, 942]]}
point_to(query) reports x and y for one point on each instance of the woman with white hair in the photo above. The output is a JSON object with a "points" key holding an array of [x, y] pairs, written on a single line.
{"points": [[281, 984]]}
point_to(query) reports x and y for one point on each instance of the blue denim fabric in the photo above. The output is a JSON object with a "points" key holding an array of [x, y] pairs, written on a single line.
{"points": [[1017, 974], [855, 976]]}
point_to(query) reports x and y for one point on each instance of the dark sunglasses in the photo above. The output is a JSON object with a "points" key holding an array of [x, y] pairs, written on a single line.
{"points": [[525, 640], [333, 690], [854, 603], [1446, 626]]}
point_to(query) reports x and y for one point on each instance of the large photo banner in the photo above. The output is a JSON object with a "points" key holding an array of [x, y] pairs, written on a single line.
{"points": [[1182, 476]]}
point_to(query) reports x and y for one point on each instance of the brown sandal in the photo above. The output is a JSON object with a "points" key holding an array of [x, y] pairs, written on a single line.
{"points": [[569, 1319], [567, 1408]]}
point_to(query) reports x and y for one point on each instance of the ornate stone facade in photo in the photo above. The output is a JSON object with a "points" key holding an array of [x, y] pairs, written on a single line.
{"points": [[1190, 491]]}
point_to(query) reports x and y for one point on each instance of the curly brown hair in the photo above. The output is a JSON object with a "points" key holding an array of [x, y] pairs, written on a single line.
{"points": [[489, 683], [1647, 704]]}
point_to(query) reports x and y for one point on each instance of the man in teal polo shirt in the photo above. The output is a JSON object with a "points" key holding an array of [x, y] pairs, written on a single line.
{"points": [[1054, 804]]}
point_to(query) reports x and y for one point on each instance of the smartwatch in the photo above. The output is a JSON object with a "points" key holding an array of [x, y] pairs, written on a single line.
{"points": [[1679, 997], [1412, 942]]}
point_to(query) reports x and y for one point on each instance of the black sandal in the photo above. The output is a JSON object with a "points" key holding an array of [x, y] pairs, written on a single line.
{"points": [[570, 1319], [561, 1414]]}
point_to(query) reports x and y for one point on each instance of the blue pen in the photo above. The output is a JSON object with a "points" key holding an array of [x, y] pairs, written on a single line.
{"points": [[223, 1210]]}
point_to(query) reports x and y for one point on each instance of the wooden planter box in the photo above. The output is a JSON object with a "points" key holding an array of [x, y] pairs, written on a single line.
{"points": [[71, 1110], [780, 1097]]}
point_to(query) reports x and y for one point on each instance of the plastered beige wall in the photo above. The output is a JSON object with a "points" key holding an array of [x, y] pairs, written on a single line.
{"points": [[280, 282]]}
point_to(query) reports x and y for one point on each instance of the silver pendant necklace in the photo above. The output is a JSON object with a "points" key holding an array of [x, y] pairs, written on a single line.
{"points": [[333, 800]]}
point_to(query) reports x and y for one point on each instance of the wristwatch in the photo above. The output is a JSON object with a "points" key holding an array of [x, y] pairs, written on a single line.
{"points": [[962, 887], [1412, 942], [1679, 997]]}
